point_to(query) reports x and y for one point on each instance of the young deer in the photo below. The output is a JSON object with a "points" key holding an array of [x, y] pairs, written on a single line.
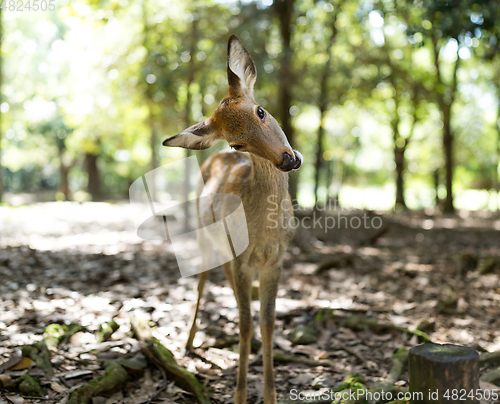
{"points": [[254, 177]]}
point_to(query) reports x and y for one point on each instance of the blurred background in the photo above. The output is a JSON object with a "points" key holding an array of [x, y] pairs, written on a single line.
{"points": [[394, 104]]}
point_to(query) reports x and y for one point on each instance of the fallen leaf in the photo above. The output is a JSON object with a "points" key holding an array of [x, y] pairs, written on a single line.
{"points": [[5, 379], [24, 363], [12, 361], [15, 399], [303, 378], [78, 373], [58, 388]]}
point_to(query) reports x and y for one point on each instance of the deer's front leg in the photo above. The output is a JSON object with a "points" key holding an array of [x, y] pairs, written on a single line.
{"points": [[242, 278], [268, 289]]}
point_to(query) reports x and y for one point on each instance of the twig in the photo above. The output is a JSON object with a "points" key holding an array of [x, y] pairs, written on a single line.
{"points": [[280, 357], [398, 361], [491, 377], [114, 376], [156, 351], [353, 353], [489, 357]]}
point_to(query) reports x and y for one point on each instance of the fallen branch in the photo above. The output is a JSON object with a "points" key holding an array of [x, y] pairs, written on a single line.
{"points": [[360, 323], [373, 239], [355, 383], [41, 355], [161, 355], [56, 334], [284, 358], [112, 379], [487, 266], [339, 261], [398, 361], [491, 377], [222, 343], [27, 385], [489, 357], [106, 330], [353, 353]]}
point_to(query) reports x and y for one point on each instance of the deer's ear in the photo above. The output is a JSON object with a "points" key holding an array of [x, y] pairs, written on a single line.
{"points": [[197, 137], [241, 71]]}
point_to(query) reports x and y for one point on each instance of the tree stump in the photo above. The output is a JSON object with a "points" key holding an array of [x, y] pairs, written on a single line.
{"points": [[443, 374]]}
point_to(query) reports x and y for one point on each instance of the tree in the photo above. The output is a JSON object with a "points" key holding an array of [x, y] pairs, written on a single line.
{"points": [[93, 173], [445, 95], [490, 36], [406, 80], [1, 133], [59, 132], [322, 101], [448, 23], [284, 10]]}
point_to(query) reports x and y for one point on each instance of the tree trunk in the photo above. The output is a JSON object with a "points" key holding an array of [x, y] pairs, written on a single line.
{"points": [[94, 181], [338, 179], [496, 183], [329, 178], [436, 186], [187, 118], [63, 176], [399, 158], [322, 104], [154, 159], [448, 156], [153, 141], [445, 97], [284, 11], [64, 186], [1, 82], [319, 156], [150, 103], [203, 154]]}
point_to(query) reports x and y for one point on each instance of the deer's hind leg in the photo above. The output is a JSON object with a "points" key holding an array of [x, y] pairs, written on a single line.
{"points": [[202, 279], [229, 276], [268, 289], [242, 277]]}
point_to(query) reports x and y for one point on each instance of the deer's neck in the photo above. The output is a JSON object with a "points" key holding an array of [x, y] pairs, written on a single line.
{"points": [[267, 179], [267, 203]]}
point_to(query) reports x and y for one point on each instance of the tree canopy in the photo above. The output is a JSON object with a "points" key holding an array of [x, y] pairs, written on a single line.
{"points": [[400, 96]]}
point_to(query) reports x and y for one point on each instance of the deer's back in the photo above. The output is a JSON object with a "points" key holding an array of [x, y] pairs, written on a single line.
{"points": [[266, 202], [225, 172]]}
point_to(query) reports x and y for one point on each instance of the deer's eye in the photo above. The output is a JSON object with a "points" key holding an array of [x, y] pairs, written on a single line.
{"points": [[236, 147], [261, 113]]}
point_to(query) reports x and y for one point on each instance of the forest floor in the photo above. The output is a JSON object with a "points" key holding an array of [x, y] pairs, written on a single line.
{"points": [[349, 299]]}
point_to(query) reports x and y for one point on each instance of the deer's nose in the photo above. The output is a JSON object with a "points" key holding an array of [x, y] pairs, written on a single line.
{"points": [[298, 159], [288, 162]]}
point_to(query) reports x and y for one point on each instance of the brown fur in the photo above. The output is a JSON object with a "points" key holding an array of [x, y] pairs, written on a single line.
{"points": [[255, 177]]}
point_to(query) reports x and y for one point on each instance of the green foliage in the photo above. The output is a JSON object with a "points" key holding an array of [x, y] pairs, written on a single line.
{"points": [[113, 79]]}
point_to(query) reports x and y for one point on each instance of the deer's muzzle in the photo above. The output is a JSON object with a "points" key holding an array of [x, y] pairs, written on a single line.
{"points": [[291, 162]]}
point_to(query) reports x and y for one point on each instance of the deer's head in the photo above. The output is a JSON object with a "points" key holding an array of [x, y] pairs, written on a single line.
{"points": [[239, 120]]}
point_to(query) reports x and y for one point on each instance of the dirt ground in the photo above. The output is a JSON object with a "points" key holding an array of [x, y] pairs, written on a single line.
{"points": [[70, 263]]}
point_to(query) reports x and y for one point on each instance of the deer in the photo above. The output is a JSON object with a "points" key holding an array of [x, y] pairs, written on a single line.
{"points": [[257, 172]]}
